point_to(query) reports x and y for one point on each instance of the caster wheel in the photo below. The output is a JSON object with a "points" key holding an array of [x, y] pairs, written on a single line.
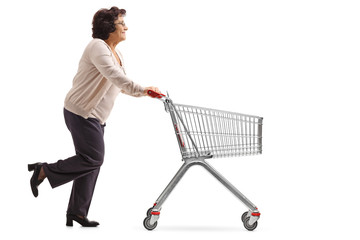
{"points": [[147, 224], [244, 216], [148, 213], [248, 226]]}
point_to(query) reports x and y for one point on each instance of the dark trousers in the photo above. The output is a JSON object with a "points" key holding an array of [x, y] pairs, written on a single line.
{"points": [[83, 168]]}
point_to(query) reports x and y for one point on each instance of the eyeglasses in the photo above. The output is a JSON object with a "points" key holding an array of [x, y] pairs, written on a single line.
{"points": [[121, 23]]}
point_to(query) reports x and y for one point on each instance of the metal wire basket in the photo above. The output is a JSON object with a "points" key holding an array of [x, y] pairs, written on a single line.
{"points": [[216, 133]]}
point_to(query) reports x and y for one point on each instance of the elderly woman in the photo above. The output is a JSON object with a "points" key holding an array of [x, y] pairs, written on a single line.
{"points": [[100, 78]]}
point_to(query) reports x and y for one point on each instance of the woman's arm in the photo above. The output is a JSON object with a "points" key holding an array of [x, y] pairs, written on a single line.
{"points": [[100, 56]]}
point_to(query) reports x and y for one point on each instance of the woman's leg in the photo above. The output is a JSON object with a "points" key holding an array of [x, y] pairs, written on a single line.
{"points": [[83, 168], [81, 194], [88, 138]]}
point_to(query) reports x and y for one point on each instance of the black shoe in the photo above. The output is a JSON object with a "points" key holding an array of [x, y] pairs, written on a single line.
{"points": [[82, 221], [34, 182]]}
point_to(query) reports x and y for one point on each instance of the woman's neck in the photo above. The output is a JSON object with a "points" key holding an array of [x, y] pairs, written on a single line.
{"points": [[112, 44]]}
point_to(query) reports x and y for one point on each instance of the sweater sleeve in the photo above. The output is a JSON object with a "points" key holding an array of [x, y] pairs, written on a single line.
{"points": [[100, 56]]}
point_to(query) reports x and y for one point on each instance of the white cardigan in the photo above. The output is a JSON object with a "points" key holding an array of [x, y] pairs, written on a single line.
{"points": [[98, 81]]}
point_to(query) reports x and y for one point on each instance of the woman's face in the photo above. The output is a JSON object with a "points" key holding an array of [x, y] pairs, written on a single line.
{"points": [[121, 28]]}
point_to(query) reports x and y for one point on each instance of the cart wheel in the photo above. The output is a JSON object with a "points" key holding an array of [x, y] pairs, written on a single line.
{"points": [[244, 216], [148, 213], [147, 224], [248, 226]]}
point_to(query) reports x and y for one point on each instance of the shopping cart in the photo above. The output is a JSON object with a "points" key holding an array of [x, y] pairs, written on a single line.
{"points": [[204, 133]]}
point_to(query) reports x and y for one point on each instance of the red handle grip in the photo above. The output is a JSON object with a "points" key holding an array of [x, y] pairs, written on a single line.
{"points": [[155, 94]]}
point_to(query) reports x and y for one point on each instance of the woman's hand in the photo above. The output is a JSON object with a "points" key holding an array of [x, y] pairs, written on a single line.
{"points": [[154, 89]]}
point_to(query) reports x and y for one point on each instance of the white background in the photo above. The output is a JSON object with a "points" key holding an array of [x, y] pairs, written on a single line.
{"points": [[295, 63]]}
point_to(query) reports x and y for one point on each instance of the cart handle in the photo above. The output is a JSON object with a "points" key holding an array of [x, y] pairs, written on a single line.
{"points": [[155, 94]]}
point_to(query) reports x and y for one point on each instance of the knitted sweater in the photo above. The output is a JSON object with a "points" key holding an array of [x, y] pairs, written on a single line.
{"points": [[98, 81]]}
